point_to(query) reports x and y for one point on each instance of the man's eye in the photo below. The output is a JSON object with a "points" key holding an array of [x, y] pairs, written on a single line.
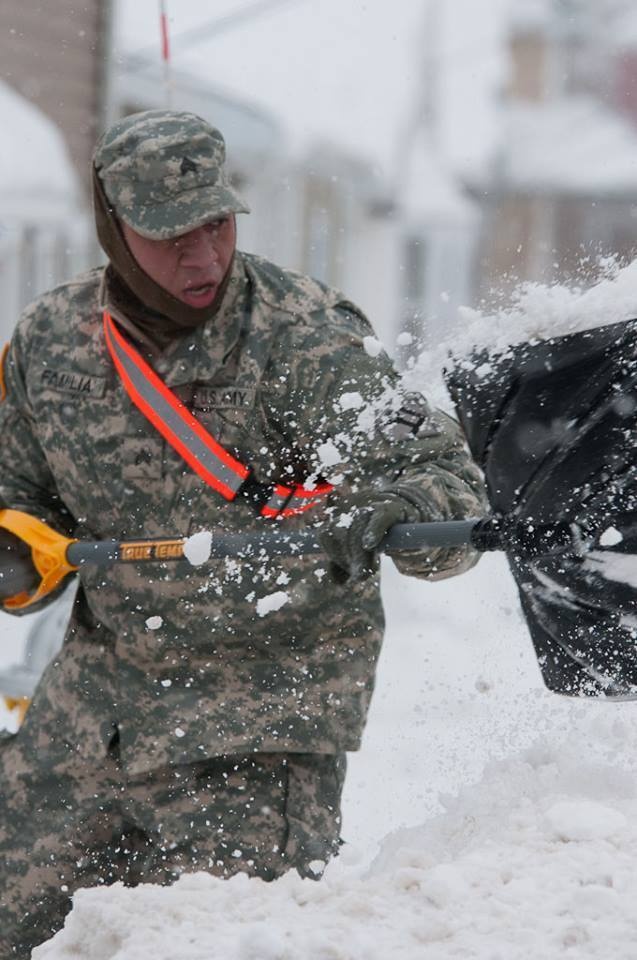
{"points": [[218, 224]]}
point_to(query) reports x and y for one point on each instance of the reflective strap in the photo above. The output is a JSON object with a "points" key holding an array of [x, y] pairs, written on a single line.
{"points": [[290, 501], [171, 417]]}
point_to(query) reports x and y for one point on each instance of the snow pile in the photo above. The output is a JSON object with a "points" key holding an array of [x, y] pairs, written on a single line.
{"points": [[535, 860], [538, 853]]}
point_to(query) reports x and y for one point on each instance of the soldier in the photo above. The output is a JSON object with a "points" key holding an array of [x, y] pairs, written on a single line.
{"points": [[198, 719]]}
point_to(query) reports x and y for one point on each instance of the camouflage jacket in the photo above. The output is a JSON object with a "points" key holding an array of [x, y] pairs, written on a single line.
{"points": [[281, 374]]}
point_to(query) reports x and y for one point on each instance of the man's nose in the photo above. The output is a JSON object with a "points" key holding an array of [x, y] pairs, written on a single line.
{"points": [[199, 247]]}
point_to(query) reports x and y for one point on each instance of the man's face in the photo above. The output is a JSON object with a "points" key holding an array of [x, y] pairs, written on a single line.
{"points": [[191, 266]]}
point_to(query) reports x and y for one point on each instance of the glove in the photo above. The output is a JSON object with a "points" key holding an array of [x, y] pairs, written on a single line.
{"points": [[17, 573], [352, 537], [437, 563]]}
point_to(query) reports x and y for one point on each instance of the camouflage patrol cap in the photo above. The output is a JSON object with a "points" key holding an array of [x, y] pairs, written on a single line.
{"points": [[164, 173]]}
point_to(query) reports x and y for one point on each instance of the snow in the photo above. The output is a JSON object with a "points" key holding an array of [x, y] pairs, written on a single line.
{"points": [[197, 547], [272, 602], [29, 186], [539, 312], [534, 312], [584, 820], [620, 567], [506, 816], [328, 455], [572, 145], [154, 623], [372, 346], [546, 877], [351, 401], [610, 537]]}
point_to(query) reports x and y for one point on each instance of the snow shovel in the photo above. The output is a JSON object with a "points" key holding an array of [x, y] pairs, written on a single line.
{"points": [[35, 560], [553, 425]]}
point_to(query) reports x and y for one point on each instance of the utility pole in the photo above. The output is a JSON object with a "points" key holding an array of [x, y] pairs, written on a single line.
{"points": [[165, 53], [422, 118]]}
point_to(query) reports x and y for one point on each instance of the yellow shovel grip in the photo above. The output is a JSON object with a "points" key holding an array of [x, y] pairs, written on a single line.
{"points": [[20, 704], [48, 554]]}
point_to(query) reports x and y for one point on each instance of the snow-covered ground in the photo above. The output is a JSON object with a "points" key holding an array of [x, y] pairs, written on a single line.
{"points": [[485, 818]]}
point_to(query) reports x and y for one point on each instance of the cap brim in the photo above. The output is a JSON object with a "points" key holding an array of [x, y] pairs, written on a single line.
{"points": [[189, 210]]}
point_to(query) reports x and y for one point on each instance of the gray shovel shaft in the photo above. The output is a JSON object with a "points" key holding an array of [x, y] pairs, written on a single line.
{"points": [[272, 542]]}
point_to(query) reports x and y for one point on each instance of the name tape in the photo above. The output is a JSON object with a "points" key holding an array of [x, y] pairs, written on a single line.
{"points": [[69, 381]]}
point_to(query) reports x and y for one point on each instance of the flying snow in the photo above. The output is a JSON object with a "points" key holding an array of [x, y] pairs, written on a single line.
{"points": [[197, 548], [274, 601], [372, 346]]}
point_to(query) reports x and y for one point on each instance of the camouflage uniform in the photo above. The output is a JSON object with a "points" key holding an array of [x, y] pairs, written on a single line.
{"points": [[282, 377]]}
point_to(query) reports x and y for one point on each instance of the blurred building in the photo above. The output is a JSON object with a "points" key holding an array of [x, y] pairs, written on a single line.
{"points": [[562, 190], [401, 249], [44, 230], [58, 56], [394, 248], [53, 98]]}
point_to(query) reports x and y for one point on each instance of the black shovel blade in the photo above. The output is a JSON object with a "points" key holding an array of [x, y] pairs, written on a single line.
{"points": [[553, 425]]}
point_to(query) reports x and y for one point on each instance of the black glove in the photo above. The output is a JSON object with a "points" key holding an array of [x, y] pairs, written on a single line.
{"points": [[17, 573], [352, 535]]}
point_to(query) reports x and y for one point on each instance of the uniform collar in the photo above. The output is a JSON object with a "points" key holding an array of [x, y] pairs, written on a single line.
{"points": [[198, 354]]}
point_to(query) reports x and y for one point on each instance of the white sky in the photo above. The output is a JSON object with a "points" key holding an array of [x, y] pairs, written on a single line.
{"points": [[345, 70]]}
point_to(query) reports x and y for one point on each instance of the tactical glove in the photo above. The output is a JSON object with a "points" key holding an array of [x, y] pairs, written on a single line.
{"points": [[352, 535]]}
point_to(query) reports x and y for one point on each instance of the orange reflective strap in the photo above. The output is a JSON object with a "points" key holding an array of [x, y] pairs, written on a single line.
{"points": [[215, 465], [3, 381], [290, 501], [171, 417]]}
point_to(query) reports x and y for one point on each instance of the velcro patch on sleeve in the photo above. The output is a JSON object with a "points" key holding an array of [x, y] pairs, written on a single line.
{"points": [[414, 418]]}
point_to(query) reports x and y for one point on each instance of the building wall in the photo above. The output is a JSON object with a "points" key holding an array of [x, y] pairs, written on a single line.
{"points": [[56, 55], [528, 65], [553, 237]]}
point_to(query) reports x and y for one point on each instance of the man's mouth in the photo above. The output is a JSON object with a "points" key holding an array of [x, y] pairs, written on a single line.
{"points": [[201, 295]]}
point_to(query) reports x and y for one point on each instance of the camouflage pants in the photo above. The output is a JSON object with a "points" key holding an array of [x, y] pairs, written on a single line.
{"points": [[260, 814]]}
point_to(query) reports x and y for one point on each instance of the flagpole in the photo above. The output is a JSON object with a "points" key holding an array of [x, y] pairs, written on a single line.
{"points": [[165, 53]]}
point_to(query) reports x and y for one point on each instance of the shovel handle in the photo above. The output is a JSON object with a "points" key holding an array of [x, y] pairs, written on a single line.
{"points": [[483, 534], [273, 542], [54, 556]]}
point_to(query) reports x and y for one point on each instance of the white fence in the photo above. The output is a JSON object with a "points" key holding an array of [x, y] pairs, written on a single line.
{"points": [[35, 256]]}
